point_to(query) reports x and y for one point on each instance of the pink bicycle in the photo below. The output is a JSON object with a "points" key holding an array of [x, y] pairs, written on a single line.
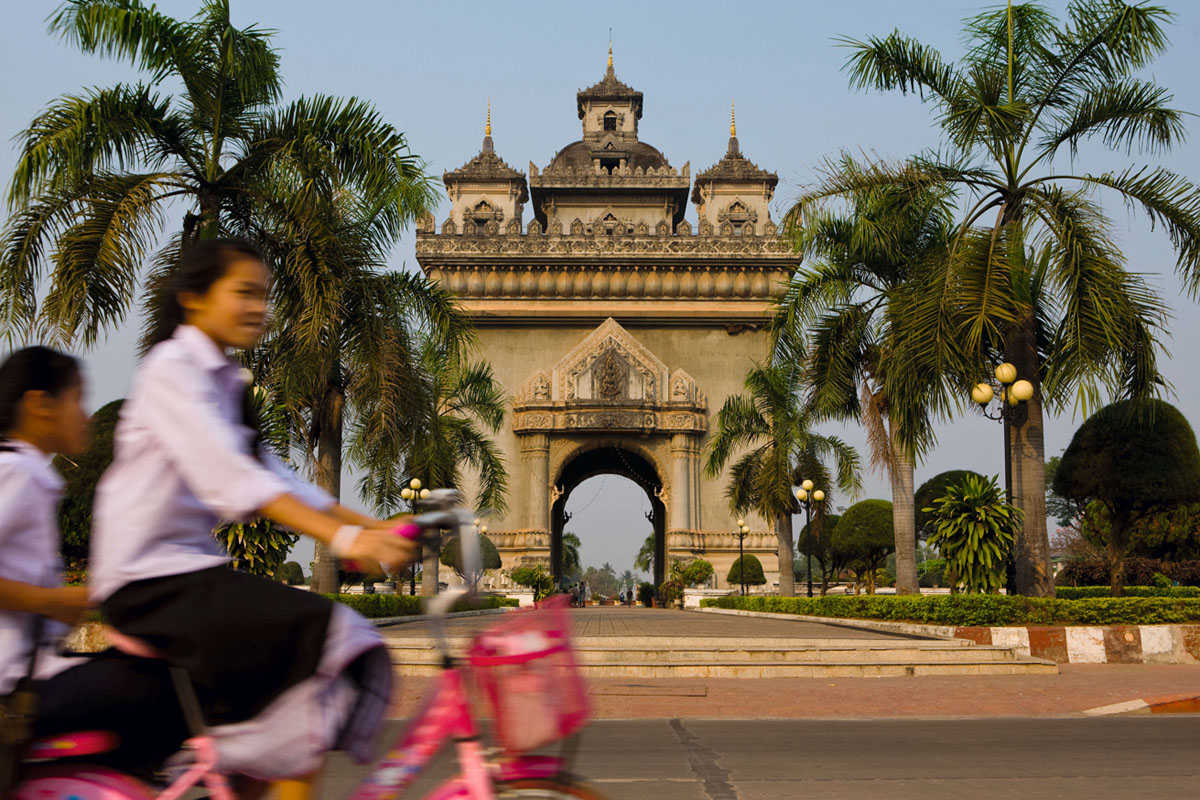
{"points": [[523, 667]]}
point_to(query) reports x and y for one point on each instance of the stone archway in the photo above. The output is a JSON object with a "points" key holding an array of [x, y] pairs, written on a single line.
{"points": [[609, 458]]}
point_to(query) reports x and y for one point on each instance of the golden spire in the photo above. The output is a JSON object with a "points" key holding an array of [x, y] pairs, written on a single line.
{"points": [[610, 66], [487, 130], [732, 120]]}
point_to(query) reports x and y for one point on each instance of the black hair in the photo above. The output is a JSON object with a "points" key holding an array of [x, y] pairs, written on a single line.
{"points": [[203, 263], [32, 369]]}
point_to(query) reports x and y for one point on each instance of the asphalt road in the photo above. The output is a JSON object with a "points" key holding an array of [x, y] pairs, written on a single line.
{"points": [[1092, 758]]}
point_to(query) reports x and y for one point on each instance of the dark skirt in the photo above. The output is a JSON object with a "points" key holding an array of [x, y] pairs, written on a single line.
{"points": [[243, 640], [133, 698]]}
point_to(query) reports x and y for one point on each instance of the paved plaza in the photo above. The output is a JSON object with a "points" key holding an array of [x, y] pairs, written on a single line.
{"points": [[622, 622]]}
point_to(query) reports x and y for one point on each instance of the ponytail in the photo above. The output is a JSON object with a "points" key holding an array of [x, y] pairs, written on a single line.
{"points": [[203, 264], [33, 369]]}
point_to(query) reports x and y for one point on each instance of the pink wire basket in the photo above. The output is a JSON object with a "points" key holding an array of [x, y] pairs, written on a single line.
{"points": [[525, 668]]}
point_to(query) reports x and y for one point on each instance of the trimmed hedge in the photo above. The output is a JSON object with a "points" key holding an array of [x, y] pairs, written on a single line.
{"points": [[969, 610], [405, 605], [1081, 592]]}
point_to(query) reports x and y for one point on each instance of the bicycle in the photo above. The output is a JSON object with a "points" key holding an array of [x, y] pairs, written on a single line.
{"points": [[524, 667]]}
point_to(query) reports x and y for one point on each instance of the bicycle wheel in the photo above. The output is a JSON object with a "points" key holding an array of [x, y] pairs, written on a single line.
{"points": [[546, 789]]}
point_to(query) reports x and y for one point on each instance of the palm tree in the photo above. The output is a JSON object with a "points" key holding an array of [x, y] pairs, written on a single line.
{"points": [[570, 554], [97, 169], [773, 422], [461, 396], [644, 561], [1029, 87], [324, 185], [843, 304]]}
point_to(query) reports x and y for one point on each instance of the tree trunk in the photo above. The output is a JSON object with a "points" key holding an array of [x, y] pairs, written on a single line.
{"points": [[429, 570], [787, 572], [329, 478], [1116, 556], [1034, 574], [904, 517]]}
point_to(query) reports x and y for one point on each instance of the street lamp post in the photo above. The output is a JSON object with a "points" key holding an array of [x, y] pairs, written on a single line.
{"points": [[807, 495], [411, 494], [1013, 395], [741, 534]]}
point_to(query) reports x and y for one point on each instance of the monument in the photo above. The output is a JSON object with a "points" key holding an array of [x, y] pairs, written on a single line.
{"points": [[616, 328]]}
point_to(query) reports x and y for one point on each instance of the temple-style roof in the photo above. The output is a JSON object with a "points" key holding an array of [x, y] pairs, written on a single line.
{"points": [[487, 166], [579, 155], [733, 168], [609, 89]]}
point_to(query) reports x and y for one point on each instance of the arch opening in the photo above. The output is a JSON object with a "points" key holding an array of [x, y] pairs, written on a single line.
{"points": [[609, 460]]}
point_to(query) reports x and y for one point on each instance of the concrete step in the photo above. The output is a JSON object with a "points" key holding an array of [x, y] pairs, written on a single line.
{"points": [[795, 669], [745, 654]]}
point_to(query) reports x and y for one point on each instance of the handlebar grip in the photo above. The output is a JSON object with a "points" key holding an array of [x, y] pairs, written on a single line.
{"points": [[408, 531]]}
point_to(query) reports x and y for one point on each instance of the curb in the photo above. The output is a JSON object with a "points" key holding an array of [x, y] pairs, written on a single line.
{"points": [[382, 622], [1175, 704], [1064, 644]]}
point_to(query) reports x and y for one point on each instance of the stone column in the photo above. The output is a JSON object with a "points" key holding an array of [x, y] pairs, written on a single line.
{"points": [[535, 453], [681, 482]]}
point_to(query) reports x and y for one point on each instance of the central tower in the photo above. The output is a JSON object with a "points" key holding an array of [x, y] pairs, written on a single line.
{"points": [[617, 329]]}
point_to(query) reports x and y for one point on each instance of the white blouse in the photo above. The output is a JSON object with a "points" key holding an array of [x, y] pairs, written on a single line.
{"points": [[181, 464], [30, 489]]}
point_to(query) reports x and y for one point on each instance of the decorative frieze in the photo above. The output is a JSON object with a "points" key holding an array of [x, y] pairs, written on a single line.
{"points": [[612, 282]]}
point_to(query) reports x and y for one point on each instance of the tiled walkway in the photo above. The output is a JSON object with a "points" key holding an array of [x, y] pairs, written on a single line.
{"points": [[619, 621]]}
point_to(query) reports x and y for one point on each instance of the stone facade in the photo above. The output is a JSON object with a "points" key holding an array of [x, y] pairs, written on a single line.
{"points": [[617, 329]]}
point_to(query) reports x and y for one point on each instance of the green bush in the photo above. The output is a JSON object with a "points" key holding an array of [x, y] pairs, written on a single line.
{"points": [[375, 606], [645, 593], [535, 577], [692, 572], [489, 556], [1081, 592], [974, 528], [753, 569], [978, 610]]}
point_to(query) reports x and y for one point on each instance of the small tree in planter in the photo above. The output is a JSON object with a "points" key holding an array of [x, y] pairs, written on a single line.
{"points": [[645, 594], [1131, 458], [691, 573], [974, 529], [749, 566], [535, 577]]}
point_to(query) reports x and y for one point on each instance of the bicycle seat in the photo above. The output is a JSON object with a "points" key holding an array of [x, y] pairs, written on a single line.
{"points": [[130, 645], [71, 745]]}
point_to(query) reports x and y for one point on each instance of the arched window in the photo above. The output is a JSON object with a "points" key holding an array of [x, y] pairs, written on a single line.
{"points": [[610, 121]]}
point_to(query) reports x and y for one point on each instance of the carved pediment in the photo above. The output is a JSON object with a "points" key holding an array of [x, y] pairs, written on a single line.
{"points": [[610, 366]]}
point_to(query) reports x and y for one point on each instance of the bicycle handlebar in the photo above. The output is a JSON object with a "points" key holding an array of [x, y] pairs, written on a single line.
{"points": [[443, 511]]}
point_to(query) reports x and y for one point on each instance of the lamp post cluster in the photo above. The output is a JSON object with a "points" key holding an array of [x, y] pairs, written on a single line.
{"points": [[411, 494], [741, 534], [1013, 394], [808, 497]]}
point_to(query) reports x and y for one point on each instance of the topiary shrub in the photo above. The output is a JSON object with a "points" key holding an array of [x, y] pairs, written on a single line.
{"points": [[489, 557], [1131, 458], [747, 569], [691, 572], [863, 538], [291, 573], [816, 538]]}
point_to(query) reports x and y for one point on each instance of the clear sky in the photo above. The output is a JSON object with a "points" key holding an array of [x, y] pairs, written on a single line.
{"points": [[431, 67]]}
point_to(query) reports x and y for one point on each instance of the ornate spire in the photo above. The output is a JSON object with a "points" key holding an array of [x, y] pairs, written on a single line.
{"points": [[487, 129], [610, 66], [732, 120]]}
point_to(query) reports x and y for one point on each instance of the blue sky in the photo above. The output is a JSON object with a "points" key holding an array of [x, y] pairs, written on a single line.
{"points": [[431, 67]]}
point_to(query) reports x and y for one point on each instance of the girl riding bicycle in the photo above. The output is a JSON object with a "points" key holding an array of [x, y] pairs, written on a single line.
{"points": [[283, 676], [41, 413]]}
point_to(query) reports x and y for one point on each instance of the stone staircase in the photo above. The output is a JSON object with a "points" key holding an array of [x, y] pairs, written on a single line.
{"points": [[755, 657]]}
